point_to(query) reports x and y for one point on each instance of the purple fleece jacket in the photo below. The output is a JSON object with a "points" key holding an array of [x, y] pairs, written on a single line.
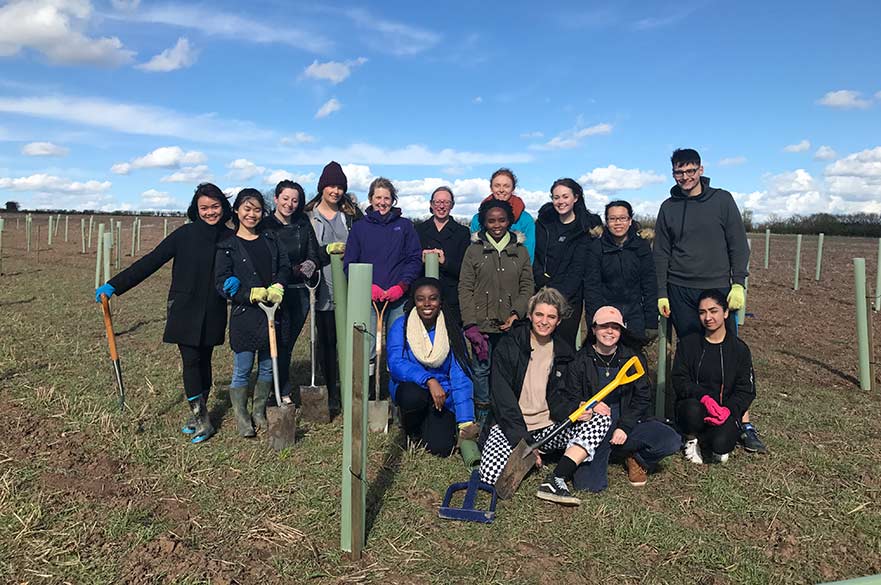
{"points": [[390, 243]]}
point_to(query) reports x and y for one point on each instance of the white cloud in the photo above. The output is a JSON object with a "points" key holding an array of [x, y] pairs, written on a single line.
{"points": [[55, 29], [856, 176], [572, 138], [825, 153], [612, 178], [242, 169], [802, 146], [135, 118], [298, 138], [154, 199], [732, 161], [477, 100], [330, 106], [45, 183], [232, 191], [388, 36], [532, 135], [194, 174], [180, 56], [844, 99], [412, 154], [358, 177], [165, 157], [211, 21], [44, 149], [333, 71], [273, 177]]}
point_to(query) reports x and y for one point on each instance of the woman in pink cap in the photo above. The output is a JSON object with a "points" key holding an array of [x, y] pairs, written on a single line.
{"points": [[634, 436]]}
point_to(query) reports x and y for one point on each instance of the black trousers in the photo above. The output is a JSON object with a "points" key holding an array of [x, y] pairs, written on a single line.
{"points": [[683, 310], [568, 328], [422, 421], [196, 360], [325, 326], [721, 439]]}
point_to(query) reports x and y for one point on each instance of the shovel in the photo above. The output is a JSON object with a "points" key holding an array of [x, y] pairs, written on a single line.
{"points": [[521, 460], [378, 410], [313, 399], [282, 417], [111, 342]]}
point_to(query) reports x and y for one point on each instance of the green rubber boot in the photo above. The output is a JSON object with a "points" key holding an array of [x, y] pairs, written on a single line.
{"points": [[239, 399], [261, 395]]}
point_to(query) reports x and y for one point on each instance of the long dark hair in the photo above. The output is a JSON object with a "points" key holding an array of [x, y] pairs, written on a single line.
{"points": [[211, 191], [457, 340]]}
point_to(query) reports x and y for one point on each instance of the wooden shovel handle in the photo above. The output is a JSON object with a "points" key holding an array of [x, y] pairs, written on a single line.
{"points": [[108, 325]]}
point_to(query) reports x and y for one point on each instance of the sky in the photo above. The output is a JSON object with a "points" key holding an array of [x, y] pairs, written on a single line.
{"points": [[128, 104]]}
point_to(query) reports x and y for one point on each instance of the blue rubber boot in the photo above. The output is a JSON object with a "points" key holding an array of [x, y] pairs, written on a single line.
{"points": [[204, 429]]}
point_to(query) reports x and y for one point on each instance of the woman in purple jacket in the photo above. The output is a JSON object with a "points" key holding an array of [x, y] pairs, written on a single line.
{"points": [[390, 243]]}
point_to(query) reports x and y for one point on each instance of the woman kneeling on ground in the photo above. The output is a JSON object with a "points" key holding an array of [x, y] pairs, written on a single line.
{"points": [[714, 383], [428, 364], [641, 441], [251, 267], [196, 316], [528, 371]]}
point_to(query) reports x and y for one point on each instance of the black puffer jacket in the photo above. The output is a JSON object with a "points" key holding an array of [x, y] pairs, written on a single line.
{"points": [[196, 314], [299, 240], [248, 330], [561, 250], [624, 277], [510, 361], [736, 390], [583, 381]]}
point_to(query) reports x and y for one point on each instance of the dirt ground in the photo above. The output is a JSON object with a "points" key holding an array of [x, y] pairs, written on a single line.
{"points": [[91, 496]]}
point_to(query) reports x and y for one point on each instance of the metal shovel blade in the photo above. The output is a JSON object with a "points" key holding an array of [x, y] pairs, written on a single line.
{"points": [[282, 430], [378, 415], [519, 463], [313, 404]]}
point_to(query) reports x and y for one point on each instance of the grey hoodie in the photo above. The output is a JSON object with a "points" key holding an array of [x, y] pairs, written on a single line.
{"points": [[700, 241]]}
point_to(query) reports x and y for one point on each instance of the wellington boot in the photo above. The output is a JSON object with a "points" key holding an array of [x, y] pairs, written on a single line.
{"points": [[239, 399], [261, 396], [204, 429]]}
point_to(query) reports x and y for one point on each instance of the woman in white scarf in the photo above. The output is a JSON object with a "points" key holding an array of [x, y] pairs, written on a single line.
{"points": [[429, 379]]}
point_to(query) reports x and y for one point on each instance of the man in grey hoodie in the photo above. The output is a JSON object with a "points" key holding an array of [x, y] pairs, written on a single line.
{"points": [[700, 243]]}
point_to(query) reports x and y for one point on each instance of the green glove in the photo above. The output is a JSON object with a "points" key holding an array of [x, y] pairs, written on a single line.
{"points": [[736, 298], [258, 293], [336, 248], [664, 307], [275, 293]]}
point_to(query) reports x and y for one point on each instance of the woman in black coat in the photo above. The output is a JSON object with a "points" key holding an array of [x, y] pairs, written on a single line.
{"points": [[295, 233], [252, 267], [621, 272], [563, 232], [196, 314]]}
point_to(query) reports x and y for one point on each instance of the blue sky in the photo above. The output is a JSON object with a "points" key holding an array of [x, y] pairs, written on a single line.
{"points": [[127, 104]]}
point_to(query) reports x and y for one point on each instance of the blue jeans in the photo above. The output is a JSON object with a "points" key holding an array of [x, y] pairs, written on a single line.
{"points": [[481, 371], [242, 363]]}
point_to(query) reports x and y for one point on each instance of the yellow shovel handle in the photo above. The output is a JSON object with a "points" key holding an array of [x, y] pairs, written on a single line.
{"points": [[625, 376]]}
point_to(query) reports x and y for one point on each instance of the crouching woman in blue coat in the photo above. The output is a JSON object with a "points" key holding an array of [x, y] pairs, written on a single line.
{"points": [[252, 267], [429, 378]]}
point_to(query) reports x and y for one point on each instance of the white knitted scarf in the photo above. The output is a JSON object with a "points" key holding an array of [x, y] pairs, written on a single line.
{"points": [[428, 354]]}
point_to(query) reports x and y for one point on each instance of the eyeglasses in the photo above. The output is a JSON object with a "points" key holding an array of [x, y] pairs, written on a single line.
{"points": [[442, 203], [685, 172], [617, 219]]}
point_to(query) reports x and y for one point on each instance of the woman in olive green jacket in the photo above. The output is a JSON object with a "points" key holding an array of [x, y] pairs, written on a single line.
{"points": [[494, 288]]}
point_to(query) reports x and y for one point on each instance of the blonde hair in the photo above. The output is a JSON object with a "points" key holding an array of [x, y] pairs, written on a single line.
{"points": [[552, 297]]}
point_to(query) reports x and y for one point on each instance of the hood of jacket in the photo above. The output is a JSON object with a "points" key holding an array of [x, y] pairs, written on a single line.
{"points": [[373, 216], [706, 191], [479, 237]]}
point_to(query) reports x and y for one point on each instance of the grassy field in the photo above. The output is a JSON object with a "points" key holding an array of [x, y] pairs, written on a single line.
{"points": [[90, 496]]}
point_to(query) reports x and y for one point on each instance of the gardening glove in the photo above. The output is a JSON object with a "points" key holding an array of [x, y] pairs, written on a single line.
{"points": [[258, 294], [307, 268], [105, 289], [231, 286], [717, 414], [736, 298], [394, 293], [664, 307], [651, 334], [479, 342], [376, 293], [275, 293], [336, 248]]}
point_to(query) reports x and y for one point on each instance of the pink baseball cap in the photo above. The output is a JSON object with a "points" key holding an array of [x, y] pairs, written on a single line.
{"points": [[608, 314]]}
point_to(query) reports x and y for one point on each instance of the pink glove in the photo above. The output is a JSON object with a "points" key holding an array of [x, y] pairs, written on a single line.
{"points": [[376, 293], [394, 293], [717, 414], [479, 342]]}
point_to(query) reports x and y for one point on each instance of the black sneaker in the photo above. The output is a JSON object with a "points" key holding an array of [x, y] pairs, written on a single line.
{"points": [[554, 489], [750, 440]]}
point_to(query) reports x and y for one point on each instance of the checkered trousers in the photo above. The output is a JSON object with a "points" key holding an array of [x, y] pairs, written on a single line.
{"points": [[585, 434]]}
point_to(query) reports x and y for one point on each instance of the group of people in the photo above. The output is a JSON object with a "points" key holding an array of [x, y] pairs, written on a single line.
{"points": [[486, 351]]}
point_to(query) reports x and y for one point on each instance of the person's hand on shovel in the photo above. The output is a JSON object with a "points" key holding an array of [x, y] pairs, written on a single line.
{"points": [[601, 408], [275, 293], [438, 396]]}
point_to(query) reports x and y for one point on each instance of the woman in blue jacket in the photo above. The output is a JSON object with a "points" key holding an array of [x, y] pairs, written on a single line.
{"points": [[429, 372]]}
